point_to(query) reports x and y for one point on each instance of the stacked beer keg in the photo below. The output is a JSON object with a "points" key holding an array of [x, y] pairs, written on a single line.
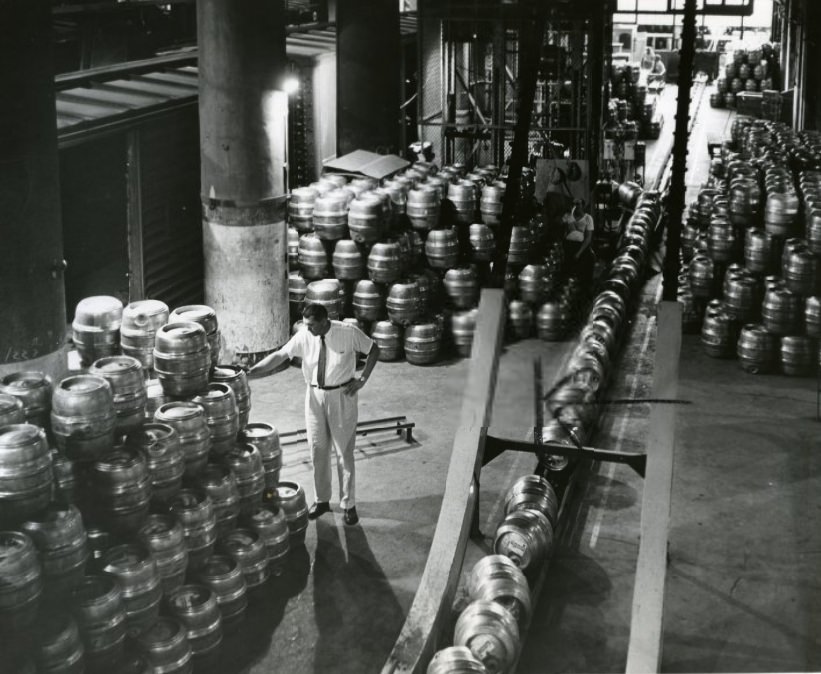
{"points": [[404, 261], [159, 506], [632, 109], [495, 609], [754, 70], [753, 290]]}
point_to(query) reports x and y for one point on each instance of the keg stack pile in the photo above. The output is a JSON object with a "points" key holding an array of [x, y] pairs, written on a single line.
{"points": [[137, 517], [631, 106], [495, 609], [406, 260], [750, 72], [749, 283]]}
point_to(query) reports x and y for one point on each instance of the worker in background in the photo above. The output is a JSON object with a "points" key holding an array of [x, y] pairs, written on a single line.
{"points": [[328, 351], [578, 237], [647, 59], [657, 72]]}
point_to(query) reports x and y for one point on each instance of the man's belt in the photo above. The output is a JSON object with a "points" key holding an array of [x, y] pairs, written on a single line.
{"points": [[331, 388]]}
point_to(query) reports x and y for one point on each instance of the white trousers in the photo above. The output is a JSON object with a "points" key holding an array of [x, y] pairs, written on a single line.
{"points": [[330, 419]]}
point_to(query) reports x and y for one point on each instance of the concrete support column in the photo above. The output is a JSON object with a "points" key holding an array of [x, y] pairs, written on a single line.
{"points": [[368, 50], [243, 144], [32, 294]]}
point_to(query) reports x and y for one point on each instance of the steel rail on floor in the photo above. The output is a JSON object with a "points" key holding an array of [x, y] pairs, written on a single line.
{"points": [[398, 425]]}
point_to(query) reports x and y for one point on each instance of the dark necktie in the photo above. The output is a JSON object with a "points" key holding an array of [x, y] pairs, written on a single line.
{"points": [[320, 366]]}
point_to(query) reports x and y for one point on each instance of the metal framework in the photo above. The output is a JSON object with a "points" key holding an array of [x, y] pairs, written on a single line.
{"points": [[471, 72]]}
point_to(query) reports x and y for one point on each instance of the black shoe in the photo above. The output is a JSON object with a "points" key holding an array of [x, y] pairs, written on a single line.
{"points": [[318, 508], [350, 516]]}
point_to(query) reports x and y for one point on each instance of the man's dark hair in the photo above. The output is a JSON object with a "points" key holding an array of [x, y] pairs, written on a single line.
{"points": [[316, 311]]}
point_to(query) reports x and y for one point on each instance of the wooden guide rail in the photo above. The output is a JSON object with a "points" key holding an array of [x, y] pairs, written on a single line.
{"points": [[421, 635], [646, 623], [424, 630]]}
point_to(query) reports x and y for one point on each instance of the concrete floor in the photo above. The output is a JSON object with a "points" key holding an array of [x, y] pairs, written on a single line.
{"points": [[743, 579]]}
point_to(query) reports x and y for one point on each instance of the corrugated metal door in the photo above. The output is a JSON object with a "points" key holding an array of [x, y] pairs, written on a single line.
{"points": [[169, 208]]}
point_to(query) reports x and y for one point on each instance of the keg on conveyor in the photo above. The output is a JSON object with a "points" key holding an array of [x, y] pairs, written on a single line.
{"points": [[496, 578], [455, 659], [490, 631]]}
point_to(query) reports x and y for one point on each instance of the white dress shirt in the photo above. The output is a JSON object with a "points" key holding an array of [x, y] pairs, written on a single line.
{"points": [[342, 343]]}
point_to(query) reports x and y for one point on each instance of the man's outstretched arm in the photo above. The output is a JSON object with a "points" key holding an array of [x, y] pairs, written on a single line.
{"points": [[271, 363]]}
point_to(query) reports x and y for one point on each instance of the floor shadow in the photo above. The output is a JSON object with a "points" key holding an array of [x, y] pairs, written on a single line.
{"points": [[357, 613], [251, 640]]}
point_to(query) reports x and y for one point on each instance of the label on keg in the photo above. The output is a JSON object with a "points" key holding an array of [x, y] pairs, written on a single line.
{"points": [[486, 648]]}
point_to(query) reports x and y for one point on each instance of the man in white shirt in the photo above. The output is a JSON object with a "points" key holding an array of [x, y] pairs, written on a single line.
{"points": [[578, 236], [328, 351]]}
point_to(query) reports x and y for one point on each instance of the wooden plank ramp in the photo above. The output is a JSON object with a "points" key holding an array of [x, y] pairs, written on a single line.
{"points": [[646, 623], [422, 633]]}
